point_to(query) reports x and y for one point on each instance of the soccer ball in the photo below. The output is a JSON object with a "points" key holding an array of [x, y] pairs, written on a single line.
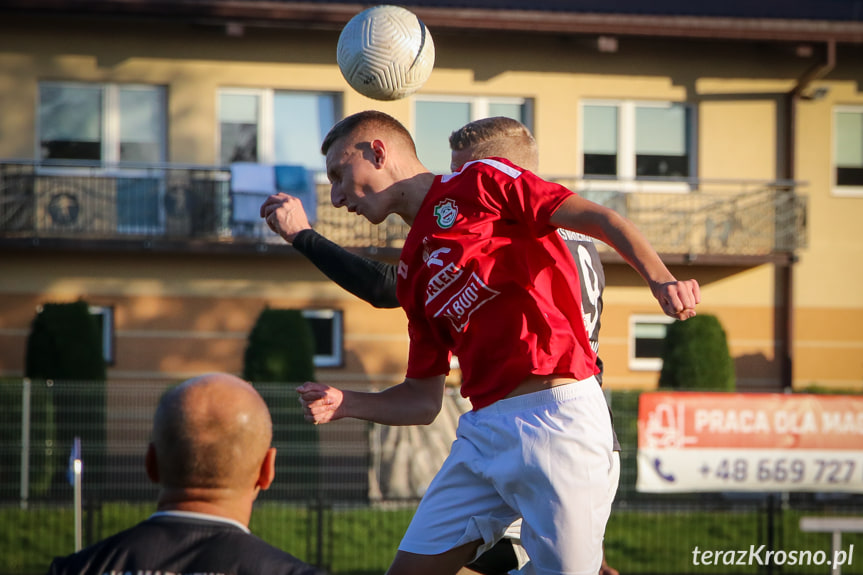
{"points": [[385, 52]]}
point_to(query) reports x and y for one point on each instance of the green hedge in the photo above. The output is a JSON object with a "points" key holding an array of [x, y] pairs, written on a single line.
{"points": [[281, 350], [695, 356], [64, 349]]}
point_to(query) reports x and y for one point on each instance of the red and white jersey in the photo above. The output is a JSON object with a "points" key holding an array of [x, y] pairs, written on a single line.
{"points": [[484, 275]]}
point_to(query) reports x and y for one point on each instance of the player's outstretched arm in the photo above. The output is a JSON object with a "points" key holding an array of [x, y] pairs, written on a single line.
{"points": [[412, 402], [677, 298], [370, 280]]}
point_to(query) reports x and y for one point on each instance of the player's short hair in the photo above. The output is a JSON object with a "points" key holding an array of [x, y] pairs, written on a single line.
{"points": [[369, 121], [497, 136]]}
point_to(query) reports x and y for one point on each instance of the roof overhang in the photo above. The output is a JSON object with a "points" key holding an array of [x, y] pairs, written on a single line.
{"points": [[326, 15]]}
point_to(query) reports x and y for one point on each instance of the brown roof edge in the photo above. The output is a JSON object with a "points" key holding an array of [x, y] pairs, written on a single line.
{"points": [[334, 15]]}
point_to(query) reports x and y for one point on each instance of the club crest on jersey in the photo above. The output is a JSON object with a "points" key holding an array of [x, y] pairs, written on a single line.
{"points": [[446, 212]]}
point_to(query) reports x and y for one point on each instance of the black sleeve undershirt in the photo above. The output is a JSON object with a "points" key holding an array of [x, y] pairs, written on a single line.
{"points": [[370, 280]]}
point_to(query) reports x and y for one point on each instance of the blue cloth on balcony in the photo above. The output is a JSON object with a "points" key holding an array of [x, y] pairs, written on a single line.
{"points": [[251, 183], [299, 182]]}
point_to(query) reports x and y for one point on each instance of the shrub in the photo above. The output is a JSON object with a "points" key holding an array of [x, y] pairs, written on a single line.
{"points": [[281, 351], [65, 346], [695, 356]]}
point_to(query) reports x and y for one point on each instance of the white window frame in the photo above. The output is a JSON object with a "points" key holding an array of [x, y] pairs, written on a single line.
{"points": [[479, 105], [110, 135], [644, 363], [107, 318], [110, 164], [626, 180], [265, 121], [835, 188], [266, 144], [335, 359]]}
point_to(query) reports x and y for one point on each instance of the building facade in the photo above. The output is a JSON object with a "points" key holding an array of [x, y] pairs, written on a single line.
{"points": [[734, 140]]}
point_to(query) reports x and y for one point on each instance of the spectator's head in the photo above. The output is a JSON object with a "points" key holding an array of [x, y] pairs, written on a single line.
{"points": [[211, 443], [499, 137]]}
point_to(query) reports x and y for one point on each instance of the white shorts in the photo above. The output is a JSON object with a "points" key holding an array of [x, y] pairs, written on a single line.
{"points": [[513, 532], [544, 456]]}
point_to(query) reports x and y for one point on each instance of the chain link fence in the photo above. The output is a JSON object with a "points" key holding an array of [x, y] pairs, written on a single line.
{"points": [[332, 504]]}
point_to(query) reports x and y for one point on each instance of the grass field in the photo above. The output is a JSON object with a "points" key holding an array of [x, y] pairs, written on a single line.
{"points": [[362, 541]]}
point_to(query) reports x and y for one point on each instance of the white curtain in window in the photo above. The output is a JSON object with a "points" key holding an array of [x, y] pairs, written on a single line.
{"points": [[849, 139], [660, 131], [301, 120], [435, 121], [70, 113], [600, 129]]}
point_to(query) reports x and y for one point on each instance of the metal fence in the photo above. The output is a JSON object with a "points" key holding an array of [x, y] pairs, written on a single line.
{"points": [[326, 506]]}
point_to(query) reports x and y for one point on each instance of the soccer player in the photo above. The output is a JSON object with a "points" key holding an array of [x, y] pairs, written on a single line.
{"points": [[375, 282], [483, 274], [211, 454]]}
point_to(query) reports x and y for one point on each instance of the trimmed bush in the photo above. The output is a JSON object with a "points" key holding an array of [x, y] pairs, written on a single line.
{"points": [[695, 356], [281, 352], [65, 348]]}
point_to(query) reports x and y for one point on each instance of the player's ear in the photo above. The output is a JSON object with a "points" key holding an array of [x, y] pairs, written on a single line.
{"points": [[379, 152], [151, 464], [267, 472]]}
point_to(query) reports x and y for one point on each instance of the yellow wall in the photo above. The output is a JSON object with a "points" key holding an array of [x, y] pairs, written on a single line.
{"points": [[736, 90]]}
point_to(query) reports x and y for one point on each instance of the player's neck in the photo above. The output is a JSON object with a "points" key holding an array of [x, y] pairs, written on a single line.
{"points": [[410, 195]]}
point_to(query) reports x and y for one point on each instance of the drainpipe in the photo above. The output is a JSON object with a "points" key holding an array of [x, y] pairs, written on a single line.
{"points": [[784, 271]]}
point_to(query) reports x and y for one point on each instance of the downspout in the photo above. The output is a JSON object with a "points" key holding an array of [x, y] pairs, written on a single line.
{"points": [[784, 271]]}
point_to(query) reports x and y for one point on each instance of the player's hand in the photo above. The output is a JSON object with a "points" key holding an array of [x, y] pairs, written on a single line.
{"points": [[320, 402], [678, 298], [606, 569], [285, 215]]}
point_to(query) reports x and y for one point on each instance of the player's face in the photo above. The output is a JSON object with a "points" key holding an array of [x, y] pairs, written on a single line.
{"points": [[352, 177]]}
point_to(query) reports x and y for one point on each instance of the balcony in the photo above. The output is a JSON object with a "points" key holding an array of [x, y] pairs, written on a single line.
{"points": [[187, 208]]}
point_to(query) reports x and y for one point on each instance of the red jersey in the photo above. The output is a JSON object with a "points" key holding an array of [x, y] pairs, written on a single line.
{"points": [[484, 275]]}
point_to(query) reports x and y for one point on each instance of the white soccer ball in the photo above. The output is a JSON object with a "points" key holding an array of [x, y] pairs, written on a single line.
{"points": [[385, 52]]}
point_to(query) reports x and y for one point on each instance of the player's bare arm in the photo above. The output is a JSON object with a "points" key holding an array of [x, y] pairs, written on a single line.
{"points": [[285, 215], [412, 402], [676, 298]]}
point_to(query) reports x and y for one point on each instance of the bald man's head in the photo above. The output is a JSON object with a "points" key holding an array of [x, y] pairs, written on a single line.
{"points": [[211, 431]]}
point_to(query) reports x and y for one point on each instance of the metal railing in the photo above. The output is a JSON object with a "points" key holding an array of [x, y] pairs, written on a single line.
{"points": [[174, 202]]}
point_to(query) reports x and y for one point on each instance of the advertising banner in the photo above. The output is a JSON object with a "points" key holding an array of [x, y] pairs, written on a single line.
{"points": [[693, 441]]}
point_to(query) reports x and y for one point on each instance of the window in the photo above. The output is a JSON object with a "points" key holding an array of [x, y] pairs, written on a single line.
{"points": [[275, 127], [111, 126], [105, 123], [646, 338], [848, 150], [326, 327], [435, 118], [637, 140], [105, 321]]}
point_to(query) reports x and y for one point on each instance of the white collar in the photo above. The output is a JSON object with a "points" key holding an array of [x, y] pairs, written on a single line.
{"points": [[204, 516]]}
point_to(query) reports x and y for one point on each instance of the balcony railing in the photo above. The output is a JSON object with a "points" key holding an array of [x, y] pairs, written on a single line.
{"points": [[194, 203]]}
